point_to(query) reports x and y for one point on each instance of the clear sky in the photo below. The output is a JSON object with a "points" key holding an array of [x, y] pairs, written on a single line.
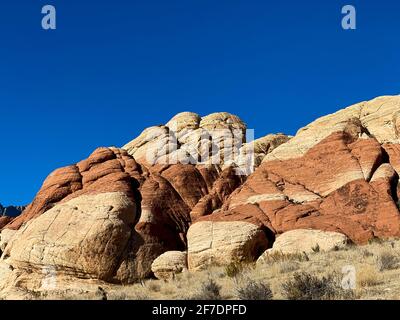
{"points": [[115, 67]]}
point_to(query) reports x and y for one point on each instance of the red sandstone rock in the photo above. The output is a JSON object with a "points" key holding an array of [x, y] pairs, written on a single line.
{"points": [[4, 220], [341, 184], [339, 174], [164, 196]]}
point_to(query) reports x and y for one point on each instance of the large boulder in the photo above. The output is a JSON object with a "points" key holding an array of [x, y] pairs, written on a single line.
{"points": [[170, 263], [220, 243], [84, 236]]}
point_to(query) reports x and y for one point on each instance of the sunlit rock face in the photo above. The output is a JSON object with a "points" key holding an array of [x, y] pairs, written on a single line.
{"points": [[112, 215]]}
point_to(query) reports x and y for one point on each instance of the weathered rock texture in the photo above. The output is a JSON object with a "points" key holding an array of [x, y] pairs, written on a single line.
{"points": [[4, 220], [110, 216], [5, 237], [220, 243], [218, 138], [103, 218], [340, 173], [170, 263]]}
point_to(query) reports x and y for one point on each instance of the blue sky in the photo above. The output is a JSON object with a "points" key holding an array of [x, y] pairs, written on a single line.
{"points": [[115, 67]]}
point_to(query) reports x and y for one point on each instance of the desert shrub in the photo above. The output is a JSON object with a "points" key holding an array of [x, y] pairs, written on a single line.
{"points": [[209, 290], [387, 261], [366, 253], [253, 290], [233, 269], [316, 248], [279, 256], [305, 286]]}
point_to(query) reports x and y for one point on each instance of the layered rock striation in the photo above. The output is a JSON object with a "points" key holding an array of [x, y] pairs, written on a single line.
{"points": [[173, 198]]}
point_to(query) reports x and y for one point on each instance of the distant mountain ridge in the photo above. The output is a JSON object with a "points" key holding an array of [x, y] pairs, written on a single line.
{"points": [[11, 211]]}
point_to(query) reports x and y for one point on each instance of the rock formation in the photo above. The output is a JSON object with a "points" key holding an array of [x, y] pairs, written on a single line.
{"points": [[174, 197], [220, 243], [170, 263], [109, 217], [219, 138], [340, 174]]}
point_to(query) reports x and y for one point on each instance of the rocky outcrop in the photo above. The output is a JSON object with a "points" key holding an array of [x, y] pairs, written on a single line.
{"points": [[106, 170], [102, 218], [169, 264], [216, 139], [334, 175], [108, 217], [177, 188]]}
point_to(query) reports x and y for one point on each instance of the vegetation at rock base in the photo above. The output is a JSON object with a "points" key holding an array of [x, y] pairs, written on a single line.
{"points": [[253, 290], [287, 277]]}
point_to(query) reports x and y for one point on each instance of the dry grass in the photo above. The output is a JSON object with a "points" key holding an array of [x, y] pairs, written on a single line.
{"points": [[387, 261], [234, 269], [367, 276], [288, 266], [278, 256], [306, 286], [376, 269]]}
